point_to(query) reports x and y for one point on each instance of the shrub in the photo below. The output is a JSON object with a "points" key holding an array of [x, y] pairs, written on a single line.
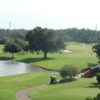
{"points": [[68, 71], [98, 77], [98, 96]]}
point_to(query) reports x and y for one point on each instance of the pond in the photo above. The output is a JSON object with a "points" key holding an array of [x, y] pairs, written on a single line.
{"points": [[13, 68]]}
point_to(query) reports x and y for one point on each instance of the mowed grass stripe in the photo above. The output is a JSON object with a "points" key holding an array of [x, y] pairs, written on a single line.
{"points": [[76, 90], [9, 85]]}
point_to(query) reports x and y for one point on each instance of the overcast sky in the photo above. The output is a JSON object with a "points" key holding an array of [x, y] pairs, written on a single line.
{"points": [[55, 14]]}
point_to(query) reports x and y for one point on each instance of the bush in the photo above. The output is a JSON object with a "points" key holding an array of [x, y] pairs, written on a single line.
{"points": [[98, 77], [98, 96], [68, 71], [63, 72]]}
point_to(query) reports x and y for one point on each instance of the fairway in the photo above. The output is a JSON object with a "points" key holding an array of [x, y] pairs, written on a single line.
{"points": [[9, 85], [81, 56], [76, 90]]}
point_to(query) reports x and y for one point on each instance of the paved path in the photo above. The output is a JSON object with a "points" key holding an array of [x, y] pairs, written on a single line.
{"points": [[22, 95]]}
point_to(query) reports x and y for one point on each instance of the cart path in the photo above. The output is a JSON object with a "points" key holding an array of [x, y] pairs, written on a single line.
{"points": [[22, 94]]}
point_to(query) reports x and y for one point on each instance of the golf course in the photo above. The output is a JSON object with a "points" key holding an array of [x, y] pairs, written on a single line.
{"points": [[81, 56]]}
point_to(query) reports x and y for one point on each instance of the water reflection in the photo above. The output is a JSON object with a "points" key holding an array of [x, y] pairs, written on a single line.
{"points": [[13, 67]]}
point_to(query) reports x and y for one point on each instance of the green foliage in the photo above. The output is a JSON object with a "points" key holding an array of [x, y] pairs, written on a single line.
{"points": [[70, 34], [4, 39], [98, 77], [8, 35], [12, 47], [68, 71], [22, 43], [79, 35], [45, 40], [63, 72], [96, 49]]}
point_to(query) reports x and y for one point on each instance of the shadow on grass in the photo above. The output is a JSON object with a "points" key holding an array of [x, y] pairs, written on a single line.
{"points": [[6, 58], [32, 60], [67, 80], [94, 85], [91, 65], [63, 81]]}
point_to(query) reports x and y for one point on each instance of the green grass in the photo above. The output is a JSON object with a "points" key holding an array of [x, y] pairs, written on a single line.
{"points": [[76, 90], [9, 85], [81, 56]]}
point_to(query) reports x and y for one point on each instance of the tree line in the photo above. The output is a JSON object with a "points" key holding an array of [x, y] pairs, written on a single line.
{"points": [[7, 35], [46, 40], [70, 34], [79, 35]]}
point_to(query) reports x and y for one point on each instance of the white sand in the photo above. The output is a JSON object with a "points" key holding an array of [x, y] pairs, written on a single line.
{"points": [[67, 51]]}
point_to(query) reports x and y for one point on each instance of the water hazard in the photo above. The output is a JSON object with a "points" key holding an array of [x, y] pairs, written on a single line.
{"points": [[13, 68]]}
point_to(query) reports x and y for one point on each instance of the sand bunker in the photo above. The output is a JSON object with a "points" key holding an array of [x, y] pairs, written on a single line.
{"points": [[67, 51]]}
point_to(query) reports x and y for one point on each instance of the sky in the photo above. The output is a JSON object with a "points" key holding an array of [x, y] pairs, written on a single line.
{"points": [[55, 14]]}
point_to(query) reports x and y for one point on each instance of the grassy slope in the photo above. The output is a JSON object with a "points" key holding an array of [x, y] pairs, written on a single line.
{"points": [[9, 85], [76, 90]]}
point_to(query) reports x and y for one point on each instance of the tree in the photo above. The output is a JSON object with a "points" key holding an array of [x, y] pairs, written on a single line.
{"points": [[22, 43], [68, 71], [12, 47], [96, 49], [4, 39], [44, 39]]}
